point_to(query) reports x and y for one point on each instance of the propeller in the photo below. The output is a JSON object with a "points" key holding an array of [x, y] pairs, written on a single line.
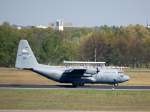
{"points": [[97, 70]]}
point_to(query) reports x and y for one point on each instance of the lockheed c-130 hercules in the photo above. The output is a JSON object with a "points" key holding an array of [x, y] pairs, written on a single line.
{"points": [[77, 76]]}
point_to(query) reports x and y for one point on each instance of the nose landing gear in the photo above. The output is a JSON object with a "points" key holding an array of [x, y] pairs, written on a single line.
{"points": [[115, 83]]}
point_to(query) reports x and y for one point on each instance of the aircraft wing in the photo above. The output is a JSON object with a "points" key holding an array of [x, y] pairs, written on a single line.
{"points": [[74, 73]]}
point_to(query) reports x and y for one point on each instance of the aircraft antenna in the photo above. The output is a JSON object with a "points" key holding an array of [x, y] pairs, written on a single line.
{"points": [[95, 54]]}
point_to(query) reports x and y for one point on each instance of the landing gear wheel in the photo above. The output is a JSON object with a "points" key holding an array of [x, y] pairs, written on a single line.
{"points": [[75, 84], [81, 84], [116, 84]]}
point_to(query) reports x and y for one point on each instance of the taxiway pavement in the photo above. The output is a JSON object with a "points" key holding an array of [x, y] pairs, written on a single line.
{"points": [[69, 87]]}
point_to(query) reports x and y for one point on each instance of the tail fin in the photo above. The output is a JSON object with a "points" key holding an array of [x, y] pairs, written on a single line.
{"points": [[25, 57]]}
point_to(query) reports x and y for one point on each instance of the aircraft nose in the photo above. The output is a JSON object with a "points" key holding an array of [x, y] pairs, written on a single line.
{"points": [[126, 78]]}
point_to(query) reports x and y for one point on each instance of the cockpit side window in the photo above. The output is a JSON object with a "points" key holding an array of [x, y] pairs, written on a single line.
{"points": [[120, 72], [121, 75]]}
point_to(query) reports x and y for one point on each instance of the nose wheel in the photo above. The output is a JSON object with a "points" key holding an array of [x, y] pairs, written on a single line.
{"points": [[115, 83]]}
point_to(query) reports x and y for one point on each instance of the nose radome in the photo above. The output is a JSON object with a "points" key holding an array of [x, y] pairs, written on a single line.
{"points": [[127, 78]]}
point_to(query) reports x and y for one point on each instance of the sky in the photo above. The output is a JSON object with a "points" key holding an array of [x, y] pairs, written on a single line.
{"points": [[78, 12]]}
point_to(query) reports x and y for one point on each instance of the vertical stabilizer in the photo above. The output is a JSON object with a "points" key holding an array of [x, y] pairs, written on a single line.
{"points": [[25, 57]]}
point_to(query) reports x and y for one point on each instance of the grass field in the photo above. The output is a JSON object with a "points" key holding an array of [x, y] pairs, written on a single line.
{"points": [[138, 77], [13, 76], [74, 100]]}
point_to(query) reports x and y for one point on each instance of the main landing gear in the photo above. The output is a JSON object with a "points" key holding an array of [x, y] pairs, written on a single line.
{"points": [[76, 84]]}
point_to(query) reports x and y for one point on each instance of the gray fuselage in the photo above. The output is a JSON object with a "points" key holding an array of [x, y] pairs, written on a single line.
{"points": [[104, 75]]}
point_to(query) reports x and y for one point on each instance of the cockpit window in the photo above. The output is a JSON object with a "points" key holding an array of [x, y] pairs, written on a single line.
{"points": [[121, 75]]}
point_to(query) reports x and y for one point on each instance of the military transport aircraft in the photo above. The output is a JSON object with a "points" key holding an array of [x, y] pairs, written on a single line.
{"points": [[77, 76]]}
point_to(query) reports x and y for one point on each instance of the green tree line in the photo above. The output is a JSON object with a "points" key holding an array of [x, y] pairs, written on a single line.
{"points": [[119, 46]]}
